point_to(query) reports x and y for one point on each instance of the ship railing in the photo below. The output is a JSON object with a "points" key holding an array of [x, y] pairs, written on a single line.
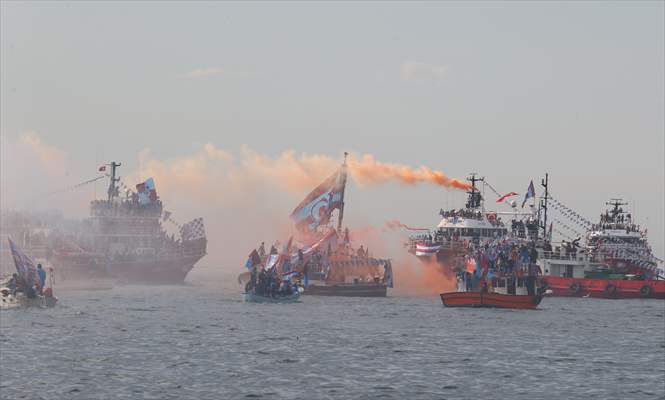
{"points": [[451, 244], [575, 256]]}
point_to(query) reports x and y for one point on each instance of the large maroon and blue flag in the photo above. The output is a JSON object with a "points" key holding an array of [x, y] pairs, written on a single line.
{"points": [[25, 266], [147, 192], [317, 207]]}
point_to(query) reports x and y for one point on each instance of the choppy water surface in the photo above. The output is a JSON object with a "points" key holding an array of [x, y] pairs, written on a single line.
{"points": [[200, 341]]}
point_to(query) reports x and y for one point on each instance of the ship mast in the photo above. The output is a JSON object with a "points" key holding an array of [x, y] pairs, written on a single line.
{"points": [[543, 204], [474, 194], [342, 177], [616, 210], [113, 190]]}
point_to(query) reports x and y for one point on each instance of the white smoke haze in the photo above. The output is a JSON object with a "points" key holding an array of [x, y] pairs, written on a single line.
{"points": [[51, 158], [205, 72], [413, 71], [245, 197]]}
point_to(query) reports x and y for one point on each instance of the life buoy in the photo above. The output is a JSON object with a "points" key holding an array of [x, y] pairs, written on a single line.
{"points": [[645, 291], [575, 287], [610, 289]]}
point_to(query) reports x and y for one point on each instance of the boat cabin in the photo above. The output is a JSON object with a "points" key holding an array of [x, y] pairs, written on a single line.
{"points": [[512, 285]]}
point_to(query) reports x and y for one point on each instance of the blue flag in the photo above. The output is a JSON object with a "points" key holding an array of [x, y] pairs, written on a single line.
{"points": [[530, 193]]}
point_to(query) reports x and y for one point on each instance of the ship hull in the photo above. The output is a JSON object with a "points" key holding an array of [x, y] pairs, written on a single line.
{"points": [[490, 300], [348, 290], [606, 288], [255, 298], [157, 272]]}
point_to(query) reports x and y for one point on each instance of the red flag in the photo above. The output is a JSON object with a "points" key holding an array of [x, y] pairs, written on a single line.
{"points": [[502, 198], [102, 168]]}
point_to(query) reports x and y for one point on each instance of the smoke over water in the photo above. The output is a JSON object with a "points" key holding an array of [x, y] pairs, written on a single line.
{"points": [[245, 197], [290, 173], [413, 276]]}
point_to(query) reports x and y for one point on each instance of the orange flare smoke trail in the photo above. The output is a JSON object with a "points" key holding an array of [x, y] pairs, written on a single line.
{"points": [[367, 171]]}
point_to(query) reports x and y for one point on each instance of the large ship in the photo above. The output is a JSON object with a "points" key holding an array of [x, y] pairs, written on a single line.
{"points": [[124, 239], [615, 261], [460, 230]]}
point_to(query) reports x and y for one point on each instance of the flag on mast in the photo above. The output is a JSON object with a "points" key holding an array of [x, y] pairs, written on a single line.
{"points": [[530, 193], [317, 207], [25, 266]]}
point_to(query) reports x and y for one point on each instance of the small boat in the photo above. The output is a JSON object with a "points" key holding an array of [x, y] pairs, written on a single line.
{"points": [[250, 297], [23, 288], [492, 300], [9, 300], [318, 257], [505, 292]]}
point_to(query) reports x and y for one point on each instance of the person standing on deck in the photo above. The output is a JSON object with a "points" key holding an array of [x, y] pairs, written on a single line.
{"points": [[42, 277]]}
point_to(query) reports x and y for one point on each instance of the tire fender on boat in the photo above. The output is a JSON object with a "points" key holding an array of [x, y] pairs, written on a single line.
{"points": [[575, 287], [610, 289], [645, 291]]}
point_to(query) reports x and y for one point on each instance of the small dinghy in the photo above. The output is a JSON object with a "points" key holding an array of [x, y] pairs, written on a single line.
{"points": [[26, 288], [9, 300]]}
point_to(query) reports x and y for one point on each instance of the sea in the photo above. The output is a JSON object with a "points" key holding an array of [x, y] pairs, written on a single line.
{"points": [[200, 341]]}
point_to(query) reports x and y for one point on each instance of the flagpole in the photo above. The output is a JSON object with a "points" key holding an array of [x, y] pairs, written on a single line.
{"points": [[341, 206]]}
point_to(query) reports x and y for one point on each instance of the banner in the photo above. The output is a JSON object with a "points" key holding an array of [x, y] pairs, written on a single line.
{"points": [[25, 266], [146, 192], [317, 207]]}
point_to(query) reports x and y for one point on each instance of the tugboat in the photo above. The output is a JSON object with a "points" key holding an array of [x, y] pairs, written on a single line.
{"points": [[323, 258], [615, 262], [125, 240]]}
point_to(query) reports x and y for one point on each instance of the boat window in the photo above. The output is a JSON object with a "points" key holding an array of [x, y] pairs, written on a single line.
{"points": [[502, 283]]}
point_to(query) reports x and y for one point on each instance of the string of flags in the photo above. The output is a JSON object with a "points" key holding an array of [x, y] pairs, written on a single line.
{"points": [[567, 227], [166, 216], [73, 187], [570, 213], [563, 234]]}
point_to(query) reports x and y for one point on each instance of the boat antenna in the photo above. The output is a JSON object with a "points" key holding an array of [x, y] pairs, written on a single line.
{"points": [[474, 195], [113, 189], [543, 204], [342, 177], [616, 204]]}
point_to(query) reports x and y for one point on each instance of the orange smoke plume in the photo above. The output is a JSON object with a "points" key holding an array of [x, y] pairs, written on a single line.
{"points": [[422, 277], [395, 225], [367, 171]]}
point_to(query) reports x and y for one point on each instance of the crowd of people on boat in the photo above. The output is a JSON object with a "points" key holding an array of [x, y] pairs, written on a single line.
{"points": [[617, 221], [507, 257], [17, 284], [461, 213], [269, 283], [127, 206], [524, 229]]}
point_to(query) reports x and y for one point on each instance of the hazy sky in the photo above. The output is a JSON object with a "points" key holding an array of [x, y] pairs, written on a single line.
{"points": [[509, 90]]}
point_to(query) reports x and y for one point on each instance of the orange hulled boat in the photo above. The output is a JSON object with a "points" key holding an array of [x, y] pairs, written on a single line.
{"points": [[516, 291]]}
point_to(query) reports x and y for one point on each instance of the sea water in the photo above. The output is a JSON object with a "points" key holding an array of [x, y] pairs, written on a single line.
{"points": [[199, 341]]}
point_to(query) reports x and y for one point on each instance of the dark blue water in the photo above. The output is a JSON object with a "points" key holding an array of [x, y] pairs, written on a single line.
{"points": [[200, 342]]}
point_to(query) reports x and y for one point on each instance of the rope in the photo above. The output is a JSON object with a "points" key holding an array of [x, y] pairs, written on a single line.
{"points": [[78, 185]]}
